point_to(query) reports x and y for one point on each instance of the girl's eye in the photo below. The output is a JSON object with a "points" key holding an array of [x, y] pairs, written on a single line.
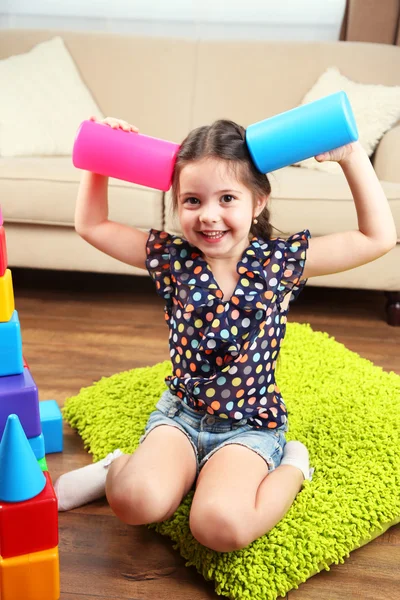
{"points": [[191, 200], [227, 198]]}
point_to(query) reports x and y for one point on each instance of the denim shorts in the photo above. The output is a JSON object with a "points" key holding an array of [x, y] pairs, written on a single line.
{"points": [[208, 433]]}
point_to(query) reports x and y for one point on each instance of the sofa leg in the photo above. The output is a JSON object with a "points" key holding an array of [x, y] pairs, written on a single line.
{"points": [[393, 308]]}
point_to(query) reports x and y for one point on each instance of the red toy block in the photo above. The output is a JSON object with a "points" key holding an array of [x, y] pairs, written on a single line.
{"points": [[30, 526], [3, 251]]}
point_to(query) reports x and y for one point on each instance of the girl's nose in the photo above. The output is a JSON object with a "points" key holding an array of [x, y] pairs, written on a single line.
{"points": [[209, 215]]}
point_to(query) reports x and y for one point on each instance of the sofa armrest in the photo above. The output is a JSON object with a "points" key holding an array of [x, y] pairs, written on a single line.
{"points": [[387, 156]]}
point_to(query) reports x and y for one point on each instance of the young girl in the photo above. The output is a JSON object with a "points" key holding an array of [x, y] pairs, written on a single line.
{"points": [[227, 284]]}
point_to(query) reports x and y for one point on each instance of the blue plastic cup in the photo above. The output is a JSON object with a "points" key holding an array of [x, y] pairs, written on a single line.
{"points": [[302, 132]]}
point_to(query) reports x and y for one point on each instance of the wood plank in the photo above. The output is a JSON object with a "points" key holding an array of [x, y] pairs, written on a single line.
{"points": [[122, 561], [370, 573]]}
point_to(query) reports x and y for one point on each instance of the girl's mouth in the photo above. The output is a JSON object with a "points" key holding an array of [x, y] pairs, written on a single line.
{"points": [[212, 236]]}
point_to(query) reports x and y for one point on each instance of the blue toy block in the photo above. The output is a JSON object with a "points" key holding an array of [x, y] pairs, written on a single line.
{"points": [[37, 445], [51, 421], [11, 361], [302, 132], [21, 477]]}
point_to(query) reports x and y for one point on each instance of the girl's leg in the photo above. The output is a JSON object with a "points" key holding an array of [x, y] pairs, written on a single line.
{"points": [[148, 486], [236, 501]]}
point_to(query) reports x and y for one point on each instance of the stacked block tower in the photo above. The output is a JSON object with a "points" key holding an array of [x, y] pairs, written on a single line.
{"points": [[29, 562]]}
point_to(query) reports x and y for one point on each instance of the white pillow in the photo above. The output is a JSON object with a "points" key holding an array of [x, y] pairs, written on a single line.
{"points": [[42, 102], [376, 109]]}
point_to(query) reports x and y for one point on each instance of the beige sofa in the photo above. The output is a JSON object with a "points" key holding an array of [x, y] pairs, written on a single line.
{"points": [[169, 86]]}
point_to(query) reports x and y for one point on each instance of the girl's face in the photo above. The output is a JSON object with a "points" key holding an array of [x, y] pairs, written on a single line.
{"points": [[215, 209]]}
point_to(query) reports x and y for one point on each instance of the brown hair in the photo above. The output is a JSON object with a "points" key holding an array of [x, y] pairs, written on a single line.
{"points": [[225, 140]]}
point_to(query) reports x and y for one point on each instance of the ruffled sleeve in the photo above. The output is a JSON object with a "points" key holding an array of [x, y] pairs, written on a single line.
{"points": [[158, 261], [294, 251]]}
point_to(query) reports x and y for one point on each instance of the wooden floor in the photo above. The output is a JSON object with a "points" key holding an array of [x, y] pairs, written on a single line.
{"points": [[77, 328]]}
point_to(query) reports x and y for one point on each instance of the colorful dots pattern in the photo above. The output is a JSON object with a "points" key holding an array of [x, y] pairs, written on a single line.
{"points": [[224, 353]]}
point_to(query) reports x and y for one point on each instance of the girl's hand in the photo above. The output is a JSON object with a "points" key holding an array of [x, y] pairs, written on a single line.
{"points": [[116, 123], [338, 154]]}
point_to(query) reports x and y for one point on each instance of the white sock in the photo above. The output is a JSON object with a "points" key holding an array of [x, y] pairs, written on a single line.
{"points": [[296, 454], [83, 485]]}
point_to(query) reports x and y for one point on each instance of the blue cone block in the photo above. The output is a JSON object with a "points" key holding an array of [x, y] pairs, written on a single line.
{"points": [[21, 478]]}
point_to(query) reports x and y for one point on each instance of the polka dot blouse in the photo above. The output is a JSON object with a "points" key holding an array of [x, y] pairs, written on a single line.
{"points": [[224, 353]]}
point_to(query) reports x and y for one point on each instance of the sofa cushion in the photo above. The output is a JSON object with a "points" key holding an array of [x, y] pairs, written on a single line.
{"points": [[43, 101], [314, 200], [376, 109], [145, 80], [42, 247], [321, 201], [43, 191]]}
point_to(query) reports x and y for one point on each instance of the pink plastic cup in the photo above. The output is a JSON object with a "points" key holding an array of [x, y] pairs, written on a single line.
{"points": [[124, 155]]}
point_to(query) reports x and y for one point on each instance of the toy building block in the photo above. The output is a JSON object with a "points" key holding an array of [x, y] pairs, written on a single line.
{"points": [[11, 361], [29, 561], [31, 576], [6, 296], [29, 526], [37, 445], [3, 251], [19, 395], [43, 464], [21, 477], [51, 421], [133, 157]]}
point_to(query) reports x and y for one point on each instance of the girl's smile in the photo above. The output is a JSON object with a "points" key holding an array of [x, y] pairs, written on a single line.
{"points": [[213, 236]]}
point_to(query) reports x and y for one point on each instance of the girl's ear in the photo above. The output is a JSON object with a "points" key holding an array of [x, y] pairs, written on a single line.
{"points": [[261, 203]]}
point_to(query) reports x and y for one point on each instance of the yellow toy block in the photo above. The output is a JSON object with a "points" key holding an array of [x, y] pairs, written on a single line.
{"points": [[6, 297], [30, 576]]}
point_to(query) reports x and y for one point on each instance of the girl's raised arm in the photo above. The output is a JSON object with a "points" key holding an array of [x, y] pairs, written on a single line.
{"points": [[376, 234], [122, 242]]}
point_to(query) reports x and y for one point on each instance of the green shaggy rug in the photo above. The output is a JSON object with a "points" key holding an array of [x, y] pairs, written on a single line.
{"points": [[346, 411]]}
